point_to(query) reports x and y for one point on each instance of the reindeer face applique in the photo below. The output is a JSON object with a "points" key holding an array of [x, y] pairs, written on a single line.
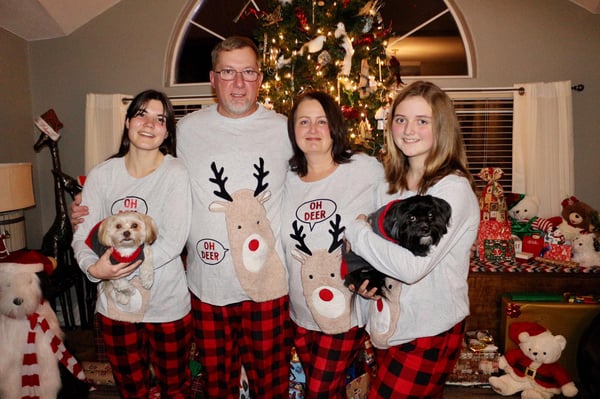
{"points": [[322, 275], [384, 314], [257, 265]]}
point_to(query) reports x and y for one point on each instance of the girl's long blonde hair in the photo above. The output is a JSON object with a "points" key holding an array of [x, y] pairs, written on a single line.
{"points": [[447, 156]]}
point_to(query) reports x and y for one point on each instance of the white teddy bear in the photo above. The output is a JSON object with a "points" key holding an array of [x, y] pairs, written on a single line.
{"points": [[523, 213], [532, 369], [586, 249], [30, 337]]}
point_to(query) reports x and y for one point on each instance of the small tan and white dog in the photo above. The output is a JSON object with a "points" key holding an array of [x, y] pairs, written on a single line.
{"points": [[131, 235]]}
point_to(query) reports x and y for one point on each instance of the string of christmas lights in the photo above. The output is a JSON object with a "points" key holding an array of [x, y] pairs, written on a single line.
{"points": [[334, 46]]}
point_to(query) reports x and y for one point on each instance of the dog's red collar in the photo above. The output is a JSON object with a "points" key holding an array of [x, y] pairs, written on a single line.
{"points": [[120, 258], [381, 218]]}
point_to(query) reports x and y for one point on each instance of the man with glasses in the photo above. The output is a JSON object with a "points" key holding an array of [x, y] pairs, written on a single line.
{"points": [[237, 155]]}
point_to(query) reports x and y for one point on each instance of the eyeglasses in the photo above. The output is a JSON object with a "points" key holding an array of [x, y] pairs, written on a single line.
{"points": [[248, 75]]}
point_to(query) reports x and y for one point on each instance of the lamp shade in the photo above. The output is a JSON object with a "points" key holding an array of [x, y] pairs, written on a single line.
{"points": [[16, 187]]}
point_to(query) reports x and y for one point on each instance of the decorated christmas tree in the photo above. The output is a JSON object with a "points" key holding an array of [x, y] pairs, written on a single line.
{"points": [[333, 46]]}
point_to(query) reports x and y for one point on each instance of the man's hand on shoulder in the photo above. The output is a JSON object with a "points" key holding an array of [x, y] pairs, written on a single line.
{"points": [[78, 211]]}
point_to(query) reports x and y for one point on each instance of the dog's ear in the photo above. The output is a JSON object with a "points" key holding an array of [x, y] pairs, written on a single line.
{"points": [[104, 233], [443, 209], [151, 229], [396, 219]]}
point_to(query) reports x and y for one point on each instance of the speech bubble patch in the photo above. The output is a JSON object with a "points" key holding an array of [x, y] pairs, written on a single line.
{"points": [[210, 251], [316, 211]]}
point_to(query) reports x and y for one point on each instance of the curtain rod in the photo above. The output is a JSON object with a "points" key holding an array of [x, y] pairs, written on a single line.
{"points": [[521, 90]]}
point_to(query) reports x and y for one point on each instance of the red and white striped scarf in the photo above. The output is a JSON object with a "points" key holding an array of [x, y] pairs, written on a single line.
{"points": [[30, 379]]}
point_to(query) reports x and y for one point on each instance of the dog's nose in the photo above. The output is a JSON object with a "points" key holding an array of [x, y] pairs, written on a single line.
{"points": [[18, 301], [126, 233]]}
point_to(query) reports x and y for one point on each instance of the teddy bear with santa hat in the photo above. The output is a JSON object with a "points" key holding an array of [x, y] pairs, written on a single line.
{"points": [[533, 367]]}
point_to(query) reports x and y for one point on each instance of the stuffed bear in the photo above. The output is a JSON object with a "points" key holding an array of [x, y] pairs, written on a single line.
{"points": [[586, 249], [30, 328], [577, 216], [523, 214], [532, 369]]}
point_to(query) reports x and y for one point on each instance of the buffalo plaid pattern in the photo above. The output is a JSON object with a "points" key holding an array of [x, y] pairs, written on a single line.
{"points": [[132, 347], [255, 334], [417, 369], [326, 359]]}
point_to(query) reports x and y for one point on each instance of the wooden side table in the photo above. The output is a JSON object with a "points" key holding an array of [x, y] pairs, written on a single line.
{"points": [[489, 281]]}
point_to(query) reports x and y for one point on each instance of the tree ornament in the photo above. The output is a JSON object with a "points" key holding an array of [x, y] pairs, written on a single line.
{"points": [[350, 112], [365, 88], [340, 33], [281, 61], [365, 39], [314, 45], [324, 58], [273, 18], [301, 17]]}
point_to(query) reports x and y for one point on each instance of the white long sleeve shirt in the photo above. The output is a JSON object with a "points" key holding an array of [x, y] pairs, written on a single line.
{"points": [[165, 196], [234, 250], [434, 291]]}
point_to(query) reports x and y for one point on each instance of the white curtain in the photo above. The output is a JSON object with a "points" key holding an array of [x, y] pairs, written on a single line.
{"points": [[104, 119], [543, 144]]}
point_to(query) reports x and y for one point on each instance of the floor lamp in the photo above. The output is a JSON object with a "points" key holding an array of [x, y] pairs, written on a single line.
{"points": [[16, 194]]}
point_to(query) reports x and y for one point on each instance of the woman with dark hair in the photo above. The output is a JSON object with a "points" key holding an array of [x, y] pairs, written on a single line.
{"points": [[325, 188], [137, 105], [154, 327]]}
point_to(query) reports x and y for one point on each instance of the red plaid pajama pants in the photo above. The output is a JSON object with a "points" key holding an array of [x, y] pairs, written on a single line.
{"points": [[132, 347], [255, 334], [326, 358], [417, 369]]}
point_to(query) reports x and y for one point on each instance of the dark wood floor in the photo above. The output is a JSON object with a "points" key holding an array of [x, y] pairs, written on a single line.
{"points": [[449, 393], [82, 344]]}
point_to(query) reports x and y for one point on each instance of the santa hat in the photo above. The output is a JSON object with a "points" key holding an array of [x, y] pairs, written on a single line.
{"points": [[29, 261], [513, 199], [530, 328], [49, 123]]}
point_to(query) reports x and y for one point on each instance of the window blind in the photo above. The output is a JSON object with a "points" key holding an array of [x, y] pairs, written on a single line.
{"points": [[183, 106], [486, 124]]}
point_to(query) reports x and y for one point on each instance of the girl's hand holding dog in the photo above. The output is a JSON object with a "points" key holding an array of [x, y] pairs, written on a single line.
{"points": [[103, 269], [364, 292], [362, 217]]}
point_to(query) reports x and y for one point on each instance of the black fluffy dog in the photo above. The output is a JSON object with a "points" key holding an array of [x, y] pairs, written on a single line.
{"points": [[415, 223]]}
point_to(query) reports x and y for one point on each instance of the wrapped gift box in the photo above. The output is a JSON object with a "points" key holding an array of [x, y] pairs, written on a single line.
{"points": [[98, 373], [358, 388], [498, 250], [533, 244], [558, 252], [477, 362], [560, 317], [494, 241], [297, 377]]}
